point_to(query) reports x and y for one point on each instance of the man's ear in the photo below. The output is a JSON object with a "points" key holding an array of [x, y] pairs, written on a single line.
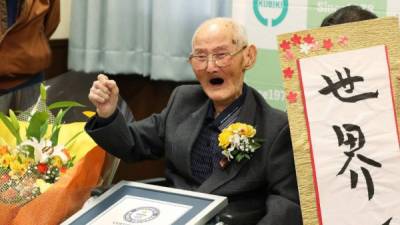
{"points": [[250, 55]]}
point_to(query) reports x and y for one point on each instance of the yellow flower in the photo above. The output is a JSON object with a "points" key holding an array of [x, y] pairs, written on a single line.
{"points": [[57, 162], [43, 185], [17, 168], [26, 161], [5, 160], [248, 131], [243, 129], [223, 138], [3, 149]]}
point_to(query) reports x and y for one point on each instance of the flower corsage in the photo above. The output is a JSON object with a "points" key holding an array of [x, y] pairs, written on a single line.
{"points": [[237, 142]]}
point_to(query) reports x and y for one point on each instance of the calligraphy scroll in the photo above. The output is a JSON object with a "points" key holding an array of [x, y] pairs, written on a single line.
{"points": [[342, 101]]}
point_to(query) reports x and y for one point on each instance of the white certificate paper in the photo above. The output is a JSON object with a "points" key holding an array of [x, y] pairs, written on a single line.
{"points": [[136, 210]]}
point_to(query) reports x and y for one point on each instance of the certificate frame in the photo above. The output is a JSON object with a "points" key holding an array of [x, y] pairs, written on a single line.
{"points": [[203, 206]]}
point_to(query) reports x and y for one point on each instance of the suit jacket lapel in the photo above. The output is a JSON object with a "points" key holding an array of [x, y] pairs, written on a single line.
{"points": [[221, 176], [187, 133]]}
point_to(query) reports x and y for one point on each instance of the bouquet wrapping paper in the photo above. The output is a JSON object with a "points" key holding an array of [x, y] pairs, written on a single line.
{"points": [[68, 194]]}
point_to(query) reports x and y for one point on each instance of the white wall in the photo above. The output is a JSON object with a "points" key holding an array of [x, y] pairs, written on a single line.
{"points": [[62, 31]]}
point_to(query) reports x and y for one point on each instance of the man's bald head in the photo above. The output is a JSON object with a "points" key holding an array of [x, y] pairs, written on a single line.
{"points": [[225, 25]]}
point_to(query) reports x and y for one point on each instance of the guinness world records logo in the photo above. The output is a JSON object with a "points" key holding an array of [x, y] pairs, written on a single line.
{"points": [[274, 4], [141, 214]]}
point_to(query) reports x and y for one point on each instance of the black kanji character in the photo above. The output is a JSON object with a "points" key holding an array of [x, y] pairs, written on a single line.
{"points": [[343, 83], [355, 142]]}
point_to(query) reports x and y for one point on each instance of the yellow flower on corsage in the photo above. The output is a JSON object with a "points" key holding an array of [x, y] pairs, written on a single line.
{"points": [[237, 142]]}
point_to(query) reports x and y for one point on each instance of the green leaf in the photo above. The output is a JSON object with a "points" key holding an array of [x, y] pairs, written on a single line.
{"points": [[57, 126], [64, 104], [29, 150], [14, 120], [43, 129], [258, 140], [58, 119], [43, 94], [14, 131], [37, 125], [239, 157], [54, 135], [70, 163], [255, 145]]}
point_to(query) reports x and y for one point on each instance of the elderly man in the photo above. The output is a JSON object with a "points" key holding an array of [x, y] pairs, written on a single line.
{"points": [[262, 187]]}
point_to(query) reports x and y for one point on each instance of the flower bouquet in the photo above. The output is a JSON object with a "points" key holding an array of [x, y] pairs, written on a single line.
{"points": [[44, 164]]}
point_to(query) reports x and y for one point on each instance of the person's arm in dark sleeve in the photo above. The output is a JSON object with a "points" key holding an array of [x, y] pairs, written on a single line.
{"points": [[97, 122], [134, 141]]}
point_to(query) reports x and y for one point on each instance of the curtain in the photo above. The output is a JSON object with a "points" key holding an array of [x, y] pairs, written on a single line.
{"points": [[148, 37]]}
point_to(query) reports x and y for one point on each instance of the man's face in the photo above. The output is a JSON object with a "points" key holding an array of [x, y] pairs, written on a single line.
{"points": [[221, 84]]}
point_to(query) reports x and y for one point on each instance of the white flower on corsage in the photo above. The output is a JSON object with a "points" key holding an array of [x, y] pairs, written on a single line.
{"points": [[237, 142]]}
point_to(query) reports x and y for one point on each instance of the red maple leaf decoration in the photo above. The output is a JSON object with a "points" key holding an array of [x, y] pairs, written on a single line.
{"points": [[296, 39], [292, 97], [328, 44], [288, 73], [285, 45], [308, 39]]}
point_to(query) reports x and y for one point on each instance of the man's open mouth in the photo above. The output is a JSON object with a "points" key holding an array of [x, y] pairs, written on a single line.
{"points": [[216, 81]]}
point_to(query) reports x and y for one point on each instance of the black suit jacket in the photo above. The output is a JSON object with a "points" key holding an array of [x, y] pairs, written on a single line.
{"points": [[267, 181]]}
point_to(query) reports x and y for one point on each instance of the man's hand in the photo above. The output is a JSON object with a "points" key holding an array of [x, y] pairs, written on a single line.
{"points": [[104, 95]]}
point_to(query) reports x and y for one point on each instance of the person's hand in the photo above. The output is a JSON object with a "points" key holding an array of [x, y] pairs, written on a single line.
{"points": [[104, 95]]}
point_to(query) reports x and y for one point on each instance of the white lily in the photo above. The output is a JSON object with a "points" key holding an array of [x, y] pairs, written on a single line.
{"points": [[43, 150]]}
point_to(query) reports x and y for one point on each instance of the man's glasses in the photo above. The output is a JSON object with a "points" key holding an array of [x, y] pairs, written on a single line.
{"points": [[200, 62]]}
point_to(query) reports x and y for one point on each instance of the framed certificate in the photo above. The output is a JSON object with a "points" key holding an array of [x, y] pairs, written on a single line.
{"points": [[138, 203]]}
